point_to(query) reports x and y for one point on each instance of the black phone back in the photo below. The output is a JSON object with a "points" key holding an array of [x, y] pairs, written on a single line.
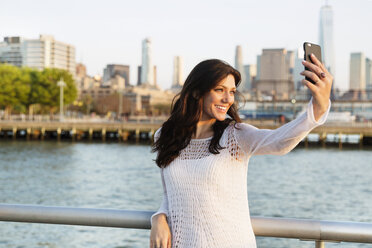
{"points": [[310, 48]]}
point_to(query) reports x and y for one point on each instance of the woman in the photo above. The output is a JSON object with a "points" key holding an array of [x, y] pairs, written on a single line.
{"points": [[204, 157]]}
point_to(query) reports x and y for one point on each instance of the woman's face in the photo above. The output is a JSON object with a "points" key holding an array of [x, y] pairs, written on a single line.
{"points": [[218, 100]]}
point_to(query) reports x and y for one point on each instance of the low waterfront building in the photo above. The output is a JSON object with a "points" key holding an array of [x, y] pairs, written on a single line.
{"points": [[45, 52], [274, 74], [113, 96], [148, 99], [112, 70], [97, 89]]}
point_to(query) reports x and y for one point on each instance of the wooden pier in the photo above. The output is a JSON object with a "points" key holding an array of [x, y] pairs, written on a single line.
{"points": [[137, 131], [78, 130]]}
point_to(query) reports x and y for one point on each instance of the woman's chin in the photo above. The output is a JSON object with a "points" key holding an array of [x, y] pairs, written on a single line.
{"points": [[221, 117]]}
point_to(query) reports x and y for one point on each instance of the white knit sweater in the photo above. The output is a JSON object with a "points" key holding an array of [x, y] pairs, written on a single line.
{"points": [[205, 195]]}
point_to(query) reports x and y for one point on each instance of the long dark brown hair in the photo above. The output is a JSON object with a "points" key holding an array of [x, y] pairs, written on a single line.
{"points": [[187, 109]]}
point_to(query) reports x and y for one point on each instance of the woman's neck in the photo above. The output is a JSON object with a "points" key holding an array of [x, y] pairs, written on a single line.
{"points": [[204, 129]]}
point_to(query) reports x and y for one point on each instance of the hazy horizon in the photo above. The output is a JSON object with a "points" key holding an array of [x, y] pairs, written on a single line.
{"points": [[111, 32]]}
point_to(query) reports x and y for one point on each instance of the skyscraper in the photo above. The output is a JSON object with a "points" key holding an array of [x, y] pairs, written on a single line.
{"points": [[177, 72], [239, 65], [326, 37], [357, 71], [147, 68]]}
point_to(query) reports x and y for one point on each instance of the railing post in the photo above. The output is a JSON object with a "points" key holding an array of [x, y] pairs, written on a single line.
{"points": [[14, 133], [42, 133], [90, 134], [28, 133], [361, 140], [120, 135], [103, 134], [319, 244], [59, 131], [73, 134], [137, 135]]}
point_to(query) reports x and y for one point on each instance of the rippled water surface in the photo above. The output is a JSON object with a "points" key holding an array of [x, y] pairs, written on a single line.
{"points": [[327, 184]]}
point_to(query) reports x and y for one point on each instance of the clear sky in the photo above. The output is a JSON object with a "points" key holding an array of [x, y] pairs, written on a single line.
{"points": [[106, 32]]}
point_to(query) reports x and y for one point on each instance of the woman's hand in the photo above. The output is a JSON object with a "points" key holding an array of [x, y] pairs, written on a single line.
{"points": [[160, 236], [321, 90]]}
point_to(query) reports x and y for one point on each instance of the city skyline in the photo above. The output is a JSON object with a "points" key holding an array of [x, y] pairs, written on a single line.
{"points": [[110, 36]]}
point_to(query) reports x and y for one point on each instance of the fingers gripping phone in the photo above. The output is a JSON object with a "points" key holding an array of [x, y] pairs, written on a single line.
{"points": [[310, 48]]}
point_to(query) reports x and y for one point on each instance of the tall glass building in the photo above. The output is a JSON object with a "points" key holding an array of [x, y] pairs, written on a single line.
{"points": [[147, 69], [326, 37]]}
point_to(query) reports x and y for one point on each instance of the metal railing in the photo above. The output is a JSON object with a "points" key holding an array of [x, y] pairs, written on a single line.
{"points": [[310, 230]]}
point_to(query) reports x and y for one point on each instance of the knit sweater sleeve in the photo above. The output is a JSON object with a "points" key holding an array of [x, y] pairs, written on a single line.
{"points": [[164, 204], [279, 141]]}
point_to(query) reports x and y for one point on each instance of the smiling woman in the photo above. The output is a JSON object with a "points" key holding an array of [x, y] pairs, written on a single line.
{"points": [[203, 151], [200, 109], [219, 99]]}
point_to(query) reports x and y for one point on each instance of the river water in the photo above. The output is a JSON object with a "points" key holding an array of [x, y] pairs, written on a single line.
{"points": [[314, 183]]}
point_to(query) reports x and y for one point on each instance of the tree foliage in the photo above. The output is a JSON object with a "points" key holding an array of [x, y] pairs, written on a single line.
{"points": [[14, 87], [22, 87]]}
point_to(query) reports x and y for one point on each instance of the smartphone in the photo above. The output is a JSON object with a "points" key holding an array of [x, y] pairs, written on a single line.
{"points": [[310, 48]]}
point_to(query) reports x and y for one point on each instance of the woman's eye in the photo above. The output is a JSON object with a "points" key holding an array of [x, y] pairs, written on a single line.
{"points": [[219, 90], [233, 92]]}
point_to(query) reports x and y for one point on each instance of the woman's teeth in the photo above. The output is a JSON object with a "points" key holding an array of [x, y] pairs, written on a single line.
{"points": [[221, 107]]}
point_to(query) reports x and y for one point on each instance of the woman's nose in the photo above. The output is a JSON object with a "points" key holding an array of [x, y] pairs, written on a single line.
{"points": [[228, 98]]}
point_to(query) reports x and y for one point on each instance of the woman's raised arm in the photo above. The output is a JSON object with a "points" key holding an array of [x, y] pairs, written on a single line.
{"points": [[284, 139], [321, 90], [279, 141]]}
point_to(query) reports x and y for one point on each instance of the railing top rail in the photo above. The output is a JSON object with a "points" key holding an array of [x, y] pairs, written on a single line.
{"points": [[263, 226]]}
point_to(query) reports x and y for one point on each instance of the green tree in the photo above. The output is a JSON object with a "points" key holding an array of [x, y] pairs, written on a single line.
{"points": [[39, 91], [46, 91], [14, 88], [22, 88], [34, 95]]}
